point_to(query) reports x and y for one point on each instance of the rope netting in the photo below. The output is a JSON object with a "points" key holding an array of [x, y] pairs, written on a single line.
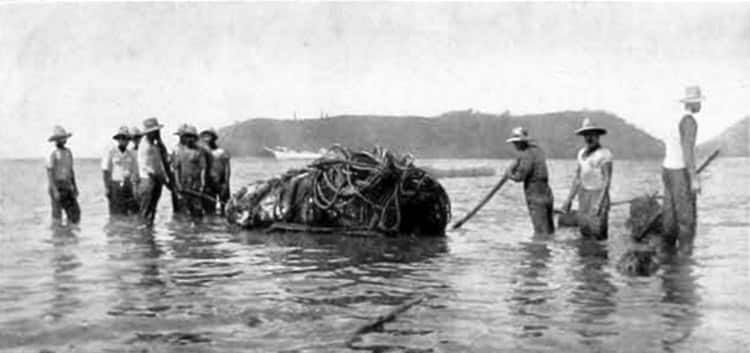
{"points": [[355, 190]]}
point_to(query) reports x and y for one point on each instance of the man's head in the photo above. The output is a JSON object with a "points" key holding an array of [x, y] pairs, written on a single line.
{"points": [[189, 136], [136, 135], [590, 132], [209, 137], [122, 136], [59, 136], [520, 138], [693, 98], [151, 129]]}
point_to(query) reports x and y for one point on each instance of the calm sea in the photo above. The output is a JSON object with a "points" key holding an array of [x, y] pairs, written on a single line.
{"points": [[489, 287]]}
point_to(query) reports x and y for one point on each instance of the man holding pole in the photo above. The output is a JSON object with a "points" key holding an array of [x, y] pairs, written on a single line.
{"points": [[681, 184], [190, 167], [152, 168], [531, 169]]}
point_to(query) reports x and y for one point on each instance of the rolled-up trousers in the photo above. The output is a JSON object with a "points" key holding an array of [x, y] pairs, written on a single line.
{"points": [[149, 191], [590, 224], [679, 213]]}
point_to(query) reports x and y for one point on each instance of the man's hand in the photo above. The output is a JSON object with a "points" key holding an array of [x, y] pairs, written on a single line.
{"points": [[695, 186], [566, 206], [55, 194]]}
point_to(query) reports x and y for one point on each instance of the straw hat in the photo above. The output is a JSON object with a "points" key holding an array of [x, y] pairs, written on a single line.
{"points": [[519, 134], [210, 132], [122, 131], [693, 95], [58, 133], [588, 126], [135, 132], [189, 130], [151, 124], [181, 129]]}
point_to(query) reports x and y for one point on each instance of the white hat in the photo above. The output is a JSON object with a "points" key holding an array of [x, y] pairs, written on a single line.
{"points": [[693, 95], [519, 134], [588, 126]]}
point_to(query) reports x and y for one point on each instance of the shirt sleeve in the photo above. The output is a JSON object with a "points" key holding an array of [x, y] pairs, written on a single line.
{"points": [[524, 165], [606, 157], [142, 160]]}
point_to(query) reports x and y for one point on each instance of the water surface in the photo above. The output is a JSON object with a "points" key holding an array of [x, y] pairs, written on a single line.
{"points": [[489, 287]]}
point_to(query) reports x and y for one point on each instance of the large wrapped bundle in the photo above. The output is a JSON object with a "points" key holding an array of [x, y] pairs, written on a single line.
{"points": [[347, 191], [644, 217]]}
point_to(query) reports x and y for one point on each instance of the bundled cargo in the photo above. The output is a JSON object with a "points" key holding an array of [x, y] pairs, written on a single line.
{"points": [[347, 191]]}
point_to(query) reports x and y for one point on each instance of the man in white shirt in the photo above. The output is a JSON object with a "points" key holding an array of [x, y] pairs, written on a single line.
{"points": [[152, 157], [681, 184], [120, 175]]}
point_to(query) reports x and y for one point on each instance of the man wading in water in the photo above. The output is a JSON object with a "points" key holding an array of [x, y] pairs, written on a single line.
{"points": [[531, 169], [681, 184], [63, 190], [120, 175], [219, 170], [190, 166], [591, 183], [152, 169]]}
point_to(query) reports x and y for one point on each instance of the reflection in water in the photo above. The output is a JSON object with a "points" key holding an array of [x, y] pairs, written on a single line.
{"points": [[532, 292], [135, 262], [681, 315], [65, 298], [592, 295]]}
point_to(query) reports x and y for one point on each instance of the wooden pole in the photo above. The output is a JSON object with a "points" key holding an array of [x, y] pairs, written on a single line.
{"points": [[482, 203]]}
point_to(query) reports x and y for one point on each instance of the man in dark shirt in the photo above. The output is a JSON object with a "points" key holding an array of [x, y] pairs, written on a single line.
{"points": [[531, 168]]}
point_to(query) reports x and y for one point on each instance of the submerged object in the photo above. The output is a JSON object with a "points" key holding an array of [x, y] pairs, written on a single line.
{"points": [[284, 153], [345, 191]]}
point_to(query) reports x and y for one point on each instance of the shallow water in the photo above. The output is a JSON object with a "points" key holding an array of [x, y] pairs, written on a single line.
{"points": [[488, 287]]}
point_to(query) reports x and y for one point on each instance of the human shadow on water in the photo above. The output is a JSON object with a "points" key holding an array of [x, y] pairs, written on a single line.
{"points": [[593, 295], [65, 291], [680, 294], [531, 291]]}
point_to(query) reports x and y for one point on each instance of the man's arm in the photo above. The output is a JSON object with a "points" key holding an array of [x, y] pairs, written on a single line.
{"points": [[688, 132], [227, 170], [519, 170], [607, 173], [51, 177], [107, 174], [573, 190]]}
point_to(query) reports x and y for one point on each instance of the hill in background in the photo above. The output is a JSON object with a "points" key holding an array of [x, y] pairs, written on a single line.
{"points": [[733, 141], [457, 134]]}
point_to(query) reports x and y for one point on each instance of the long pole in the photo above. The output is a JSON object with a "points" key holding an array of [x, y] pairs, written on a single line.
{"points": [[482, 203]]}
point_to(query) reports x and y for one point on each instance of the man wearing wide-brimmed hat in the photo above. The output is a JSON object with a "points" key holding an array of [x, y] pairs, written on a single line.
{"points": [[135, 137], [681, 184], [591, 183], [190, 168], [120, 174], [219, 170], [63, 190], [531, 168], [152, 170]]}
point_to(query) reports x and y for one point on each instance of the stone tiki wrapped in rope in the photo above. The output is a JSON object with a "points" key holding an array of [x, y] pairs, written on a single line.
{"points": [[351, 191]]}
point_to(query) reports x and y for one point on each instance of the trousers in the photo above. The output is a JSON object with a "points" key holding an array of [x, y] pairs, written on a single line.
{"points": [[540, 203], [122, 200], [66, 202], [149, 193], [591, 224], [679, 213]]}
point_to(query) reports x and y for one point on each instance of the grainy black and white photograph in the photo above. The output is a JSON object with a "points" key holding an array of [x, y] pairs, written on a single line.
{"points": [[309, 176]]}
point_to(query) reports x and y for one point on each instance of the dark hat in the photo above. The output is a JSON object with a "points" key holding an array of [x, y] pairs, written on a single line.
{"points": [[210, 132]]}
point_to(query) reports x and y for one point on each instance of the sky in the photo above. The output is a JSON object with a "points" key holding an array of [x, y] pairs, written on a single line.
{"points": [[92, 67]]}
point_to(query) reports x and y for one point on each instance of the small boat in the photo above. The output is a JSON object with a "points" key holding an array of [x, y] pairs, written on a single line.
{"points": [[284, 153]]}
